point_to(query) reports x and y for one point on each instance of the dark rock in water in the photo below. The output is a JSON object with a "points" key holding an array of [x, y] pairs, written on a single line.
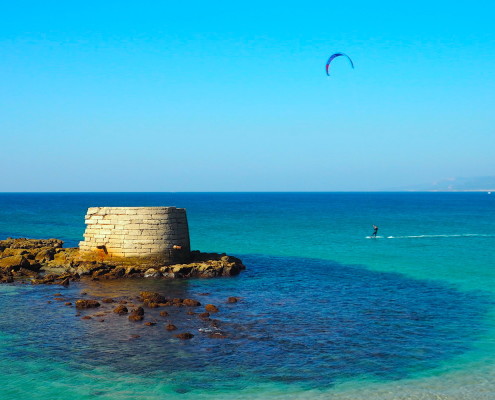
{"points": [[184, 336], [137, 314], [150, 323], [211, 308], [138, 311], [119, 272], [170, 327], [62, 299], [86, 317], [135, 336], [164, 313], [191, 303], [121, 309], [87, 304], [58, 294], [182, 269], [152, 305], [98, 272], [68, 303], [205, 315], [232, 300], [152, 273], [152, 297], [65, 282], [6, 278], [108, 300], [135, 317]]}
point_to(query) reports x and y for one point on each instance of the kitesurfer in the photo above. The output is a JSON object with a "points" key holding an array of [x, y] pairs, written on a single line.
{"points": [[375, 231]]}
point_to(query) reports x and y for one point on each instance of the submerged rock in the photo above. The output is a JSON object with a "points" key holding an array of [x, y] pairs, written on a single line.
{"points": [[82, 304], [135, 317], [152, 297], [108, 300], [205, 315], [120, 309], [138, 311], [184, 336], [211, 308], [191, 303]]}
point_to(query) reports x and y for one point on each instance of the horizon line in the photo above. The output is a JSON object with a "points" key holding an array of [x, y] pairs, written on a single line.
{"points": [[256, 191]]}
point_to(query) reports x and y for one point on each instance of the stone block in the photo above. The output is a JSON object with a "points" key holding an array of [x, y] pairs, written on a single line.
{"points": [[132, 232], [133, 226]]}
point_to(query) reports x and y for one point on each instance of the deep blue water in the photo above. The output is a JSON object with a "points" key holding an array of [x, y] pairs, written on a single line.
{"points": [[320, 303]]}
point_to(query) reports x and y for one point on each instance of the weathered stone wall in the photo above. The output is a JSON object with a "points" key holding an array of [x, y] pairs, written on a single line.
{"points": [[150, 232]]}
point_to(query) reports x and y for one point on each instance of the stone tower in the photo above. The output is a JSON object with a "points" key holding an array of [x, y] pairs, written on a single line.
{"points": [[157, 233]]}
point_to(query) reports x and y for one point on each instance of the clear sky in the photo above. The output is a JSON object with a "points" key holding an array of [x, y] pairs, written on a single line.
{"points": [[233, 96]]}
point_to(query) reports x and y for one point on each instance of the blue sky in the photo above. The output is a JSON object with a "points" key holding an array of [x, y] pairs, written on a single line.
{"points": [[229, 96]]}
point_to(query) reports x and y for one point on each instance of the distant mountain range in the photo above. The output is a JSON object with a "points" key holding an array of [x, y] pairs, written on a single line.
{"points": [[473, 184]]}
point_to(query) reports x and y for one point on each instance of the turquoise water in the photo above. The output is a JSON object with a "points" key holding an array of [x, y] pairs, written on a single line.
{"points": [[325, 312]]}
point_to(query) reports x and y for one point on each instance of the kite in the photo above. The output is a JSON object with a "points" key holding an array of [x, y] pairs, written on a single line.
{"points": [[335, 56]]}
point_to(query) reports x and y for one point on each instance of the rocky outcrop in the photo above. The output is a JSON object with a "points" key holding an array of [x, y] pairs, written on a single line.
{"points": [[45, 261]]}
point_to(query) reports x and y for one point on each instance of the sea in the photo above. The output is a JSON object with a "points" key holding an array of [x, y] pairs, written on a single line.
{"points": [[324, 311]]}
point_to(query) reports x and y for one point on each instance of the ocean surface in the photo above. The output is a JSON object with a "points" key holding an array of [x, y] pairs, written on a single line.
{"points": [[326, 312]]}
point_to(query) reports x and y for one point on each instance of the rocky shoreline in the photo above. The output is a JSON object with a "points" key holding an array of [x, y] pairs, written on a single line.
{"points": [[46, 261]]}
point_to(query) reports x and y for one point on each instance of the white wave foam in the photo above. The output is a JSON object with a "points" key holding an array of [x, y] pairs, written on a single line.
{"points": [[461, 235], [440, 236]]}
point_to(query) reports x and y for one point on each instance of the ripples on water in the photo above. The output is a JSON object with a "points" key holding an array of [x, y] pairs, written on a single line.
{"points": [[300, 321]]}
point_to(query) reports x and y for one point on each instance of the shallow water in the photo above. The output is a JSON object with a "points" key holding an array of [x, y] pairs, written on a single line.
{"points": [[324, 313]]}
